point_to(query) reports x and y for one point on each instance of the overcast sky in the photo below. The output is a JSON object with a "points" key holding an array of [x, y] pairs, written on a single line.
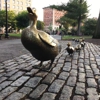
{"points": [[39, 5]]}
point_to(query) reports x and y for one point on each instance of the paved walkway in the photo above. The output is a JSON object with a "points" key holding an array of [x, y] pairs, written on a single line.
{"points": [[11, 48], [70, 78]]}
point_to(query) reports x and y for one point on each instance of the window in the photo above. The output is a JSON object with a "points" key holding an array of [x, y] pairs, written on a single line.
{"points": [[17, 2], [4, 5], [13, 7], [13, 1], [17, 7], [21, 3], [8, 5], [21, 8], [29, 4]]}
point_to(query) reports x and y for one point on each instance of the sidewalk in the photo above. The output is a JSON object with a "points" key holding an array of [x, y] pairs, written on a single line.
{"points": [[10, 48], [70, 78]]}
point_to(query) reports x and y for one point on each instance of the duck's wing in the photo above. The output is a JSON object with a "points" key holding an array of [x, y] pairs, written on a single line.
{"points": [[47, 39]]}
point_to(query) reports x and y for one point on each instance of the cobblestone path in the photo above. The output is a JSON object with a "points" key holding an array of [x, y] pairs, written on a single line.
{"points": [[70, 78]]}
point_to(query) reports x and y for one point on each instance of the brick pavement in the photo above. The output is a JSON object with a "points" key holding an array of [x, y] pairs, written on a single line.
{"points": [[70, 78]]}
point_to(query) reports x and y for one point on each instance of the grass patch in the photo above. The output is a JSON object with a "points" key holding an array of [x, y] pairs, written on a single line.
{"points": [[65, 37], [69, 37], [15, 35]]}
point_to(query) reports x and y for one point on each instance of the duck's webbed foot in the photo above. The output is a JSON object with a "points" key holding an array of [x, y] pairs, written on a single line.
{"points": [[49, 67], [44, 67], [71, 55], [38, 65]]}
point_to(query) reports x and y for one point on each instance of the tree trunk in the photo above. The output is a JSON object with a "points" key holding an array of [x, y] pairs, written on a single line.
{"points": [[79, 22], [97, 32], [78, 29]]}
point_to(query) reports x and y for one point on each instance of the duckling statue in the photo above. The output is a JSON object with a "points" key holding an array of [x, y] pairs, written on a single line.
{"points": [[40, 44], [78, 47], [70, 49], [82, 44]]}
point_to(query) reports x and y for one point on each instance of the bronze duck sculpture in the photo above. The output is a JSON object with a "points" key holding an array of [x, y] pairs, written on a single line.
{"points": [[40, 44], [70, 49]]}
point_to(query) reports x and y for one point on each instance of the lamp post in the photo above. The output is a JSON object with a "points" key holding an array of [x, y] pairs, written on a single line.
{"points": [[6, 34]]}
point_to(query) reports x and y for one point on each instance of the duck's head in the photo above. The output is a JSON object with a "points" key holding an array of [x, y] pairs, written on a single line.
{"points": [[83, 39], [68, 44], [32, 14]]}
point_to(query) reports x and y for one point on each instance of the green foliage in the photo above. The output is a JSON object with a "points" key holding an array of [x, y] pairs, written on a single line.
{"points": [[40, 25], [76, 8], [73, 31], [10, 18], [89, 26], [22, 19], [96, 35], [2, 17], [76, 12], [50, 27], [66, 37], [15, 35]]}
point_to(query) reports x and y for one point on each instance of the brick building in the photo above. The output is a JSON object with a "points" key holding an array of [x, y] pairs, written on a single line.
{"points": [[50, 16], [15, 5]]}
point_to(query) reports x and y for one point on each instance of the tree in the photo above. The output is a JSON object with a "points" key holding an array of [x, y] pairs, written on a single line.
{"points": [[97, 32], [11, 18], [22, 19], [40, 25], [76, 10], [89, 26]]}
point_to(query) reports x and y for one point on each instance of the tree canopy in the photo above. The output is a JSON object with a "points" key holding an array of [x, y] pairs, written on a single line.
{"points": [[89, 26], [40, 25], [10, 18], [22, 19], [96, 34], [76, 11]]}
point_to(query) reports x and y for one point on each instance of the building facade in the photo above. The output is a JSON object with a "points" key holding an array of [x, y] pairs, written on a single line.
{"points": [[15, 5], [50, 16]]}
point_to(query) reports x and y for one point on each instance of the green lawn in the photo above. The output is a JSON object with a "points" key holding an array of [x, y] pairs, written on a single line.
{"points": [[15, 35], [67, 37]]}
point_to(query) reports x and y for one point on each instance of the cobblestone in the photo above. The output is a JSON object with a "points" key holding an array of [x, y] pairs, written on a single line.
{"points": [[56, 86], [38, 91], [70, 78], [66, 93], [16, 96], [48, 96]]}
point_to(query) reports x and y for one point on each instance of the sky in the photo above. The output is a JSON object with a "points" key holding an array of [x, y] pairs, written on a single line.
{"points": [[40, 4]]}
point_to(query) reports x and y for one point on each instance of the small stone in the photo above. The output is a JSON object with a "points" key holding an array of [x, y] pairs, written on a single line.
{"points": [[71, 81], [33, 82], [16, 96], [78, 98], [48, 96], [64, 75], [49, 78], [38, 91], [20, 81], [56, 86]]}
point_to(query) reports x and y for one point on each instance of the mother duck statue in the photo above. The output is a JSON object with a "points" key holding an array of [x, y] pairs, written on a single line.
{"points": [[40, 44]]}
